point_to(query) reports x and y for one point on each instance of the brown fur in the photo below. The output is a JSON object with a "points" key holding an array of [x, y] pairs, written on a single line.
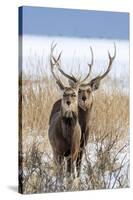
{"points": [[83, 116], [65, 134]]}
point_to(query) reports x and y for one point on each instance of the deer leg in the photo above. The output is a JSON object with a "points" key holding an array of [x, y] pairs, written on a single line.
{"points": [[69, 166], [80, 155], [78, 162], [69, 174], [59, 172], [60, 168]]}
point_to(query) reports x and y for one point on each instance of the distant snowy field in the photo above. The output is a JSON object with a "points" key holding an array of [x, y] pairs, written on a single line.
{"points": [[75, 53]]}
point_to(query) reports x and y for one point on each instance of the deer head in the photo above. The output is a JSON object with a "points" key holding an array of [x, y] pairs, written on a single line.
{"points": [[69, 102], [86, 90]]}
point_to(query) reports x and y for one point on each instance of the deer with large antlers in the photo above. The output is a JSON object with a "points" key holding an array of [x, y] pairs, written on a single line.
{"points": [[85, 100], [64, 129]]}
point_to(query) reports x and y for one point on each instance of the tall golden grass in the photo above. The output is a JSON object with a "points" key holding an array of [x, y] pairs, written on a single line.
{"points": [[109, 127]]}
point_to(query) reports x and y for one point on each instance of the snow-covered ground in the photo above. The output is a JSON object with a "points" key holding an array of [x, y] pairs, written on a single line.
{"points": [[116, 164]]}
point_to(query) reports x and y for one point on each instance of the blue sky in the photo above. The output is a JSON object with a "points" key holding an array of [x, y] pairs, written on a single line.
{"points": [[73, 23]]}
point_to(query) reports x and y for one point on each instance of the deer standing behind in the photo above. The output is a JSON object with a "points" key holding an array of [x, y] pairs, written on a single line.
{"points": [[85, 101]]}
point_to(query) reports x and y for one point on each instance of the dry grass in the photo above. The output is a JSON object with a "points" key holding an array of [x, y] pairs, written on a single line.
{"points": [[109, 132]]}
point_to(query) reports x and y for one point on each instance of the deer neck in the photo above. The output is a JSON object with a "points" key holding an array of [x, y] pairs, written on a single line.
{"points": [[68, 125], [69, 120], [84, 116]]}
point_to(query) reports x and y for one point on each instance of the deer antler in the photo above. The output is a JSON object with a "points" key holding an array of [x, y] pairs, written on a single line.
{"points": [[89, 65], [100, 77], [111, 59], [55, 62], [73, 78]]}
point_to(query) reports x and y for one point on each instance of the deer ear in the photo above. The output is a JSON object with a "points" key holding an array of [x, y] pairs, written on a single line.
{"points": [[95, 83]]}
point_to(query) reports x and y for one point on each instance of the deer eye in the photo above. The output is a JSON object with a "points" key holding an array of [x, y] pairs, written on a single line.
{"points": [[73, 95], [79, 91], [64, 95], [88, 90]]}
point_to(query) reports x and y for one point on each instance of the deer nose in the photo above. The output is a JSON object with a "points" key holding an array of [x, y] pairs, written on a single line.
{"points": [[68, 103], [84, 98]]}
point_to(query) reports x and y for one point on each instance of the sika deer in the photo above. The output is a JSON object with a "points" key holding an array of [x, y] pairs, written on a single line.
{"points": [[64, 129], [85, 102]]}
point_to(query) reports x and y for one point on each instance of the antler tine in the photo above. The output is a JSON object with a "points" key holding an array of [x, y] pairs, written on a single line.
{"points": [[92, 59], [52, 48], [56, 60], [89, 65], [111, 59], [52, 70]]}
